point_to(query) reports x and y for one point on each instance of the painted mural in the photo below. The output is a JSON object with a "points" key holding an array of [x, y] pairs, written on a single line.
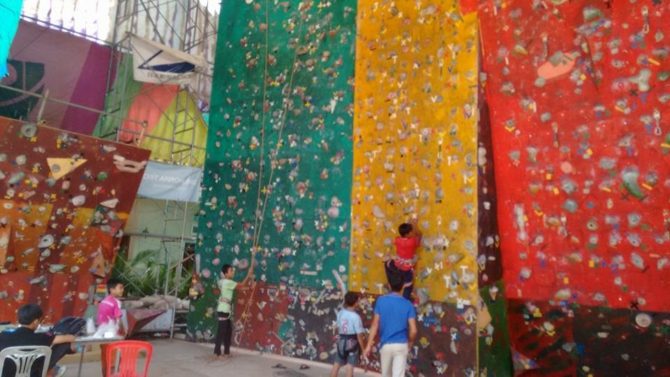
{"points": [[579, 93], [64, 199], [36, 65], [151, 116]]}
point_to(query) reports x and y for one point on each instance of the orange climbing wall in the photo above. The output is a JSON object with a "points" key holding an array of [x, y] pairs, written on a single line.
{"points": [[415, 127]]}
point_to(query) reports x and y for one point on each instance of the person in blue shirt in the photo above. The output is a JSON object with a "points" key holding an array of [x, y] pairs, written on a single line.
{"points": [[395, 321], [350, 336]]}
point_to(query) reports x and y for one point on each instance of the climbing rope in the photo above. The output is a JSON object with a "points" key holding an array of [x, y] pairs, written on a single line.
{"points": [[260, 218]]}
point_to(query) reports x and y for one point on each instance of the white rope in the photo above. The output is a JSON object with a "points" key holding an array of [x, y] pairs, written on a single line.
{"points": [[259, 219]]}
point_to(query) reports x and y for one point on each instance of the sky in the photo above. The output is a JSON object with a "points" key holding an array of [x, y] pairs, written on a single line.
{"points": [[94, 18]]}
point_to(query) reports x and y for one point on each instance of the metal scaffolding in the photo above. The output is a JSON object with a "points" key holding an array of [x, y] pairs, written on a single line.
{"points": [[191, 27], [186, 25]]}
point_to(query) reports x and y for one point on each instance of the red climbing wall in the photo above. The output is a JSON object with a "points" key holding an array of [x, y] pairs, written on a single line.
{"points": [[579, 93], [64, 199]]}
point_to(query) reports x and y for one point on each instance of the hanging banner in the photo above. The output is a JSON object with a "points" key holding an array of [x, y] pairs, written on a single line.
{"points": [[159, 64], [171, 182], [10, 13]]}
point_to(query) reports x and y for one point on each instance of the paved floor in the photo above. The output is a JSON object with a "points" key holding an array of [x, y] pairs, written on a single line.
{"points": [[179, 359]]}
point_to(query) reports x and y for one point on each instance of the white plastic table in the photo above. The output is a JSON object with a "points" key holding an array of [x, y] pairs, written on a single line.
{"points": [[85, 340]]}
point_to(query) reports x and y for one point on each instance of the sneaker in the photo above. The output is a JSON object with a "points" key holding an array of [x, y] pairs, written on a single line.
{"points": [[59, 370]]}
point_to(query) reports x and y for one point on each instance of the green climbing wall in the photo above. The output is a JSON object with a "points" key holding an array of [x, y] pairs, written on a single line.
{"points": [[278, 170]]}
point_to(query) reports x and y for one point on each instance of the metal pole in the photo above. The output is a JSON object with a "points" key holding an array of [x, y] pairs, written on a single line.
{"points": [[66, 103], [182, 247], [43, 103], [164, 139], [166, 290], [60, 27], [114, 48], [180, 265], [161, 236], [2, 86], [166, 208], [153, 23]]}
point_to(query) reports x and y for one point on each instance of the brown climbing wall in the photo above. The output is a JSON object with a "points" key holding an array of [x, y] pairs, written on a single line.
{"points": [[64, 199]]}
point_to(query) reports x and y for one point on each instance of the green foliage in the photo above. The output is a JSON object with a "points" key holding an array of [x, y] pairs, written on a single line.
{"points": [[145, 274]]}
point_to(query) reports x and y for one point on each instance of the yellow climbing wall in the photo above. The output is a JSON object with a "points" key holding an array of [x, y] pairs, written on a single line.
{"points": [[415, 147]]}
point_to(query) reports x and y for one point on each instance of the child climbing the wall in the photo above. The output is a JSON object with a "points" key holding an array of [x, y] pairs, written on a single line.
{"points": [[403, 263], [350, 336], [224, 308]]}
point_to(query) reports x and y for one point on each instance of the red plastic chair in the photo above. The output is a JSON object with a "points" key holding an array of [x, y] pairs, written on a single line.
{"points": [[121, 359]]}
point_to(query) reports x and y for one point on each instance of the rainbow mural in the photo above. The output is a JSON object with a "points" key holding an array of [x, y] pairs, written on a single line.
{"points": [[152, 116], [36, 66]]}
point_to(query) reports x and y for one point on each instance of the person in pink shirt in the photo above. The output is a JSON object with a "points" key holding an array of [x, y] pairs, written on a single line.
{"points": [[109, 308]]}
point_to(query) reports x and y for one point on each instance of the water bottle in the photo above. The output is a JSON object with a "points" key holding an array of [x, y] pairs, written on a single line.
{"points": [[90, 326]]}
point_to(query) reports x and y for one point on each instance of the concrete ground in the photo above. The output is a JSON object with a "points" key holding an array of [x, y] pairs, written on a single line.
{"points": [[175, 358]]}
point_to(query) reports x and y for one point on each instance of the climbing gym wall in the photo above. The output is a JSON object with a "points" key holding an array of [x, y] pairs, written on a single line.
{"points": [[64, 199], [278, 169], [285, 153], [494, 344], [539, 178], [415, 154], [579, 96], [415, 148]]}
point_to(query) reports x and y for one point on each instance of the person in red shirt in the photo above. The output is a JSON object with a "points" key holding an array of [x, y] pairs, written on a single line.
{"points": [[405, 258]]}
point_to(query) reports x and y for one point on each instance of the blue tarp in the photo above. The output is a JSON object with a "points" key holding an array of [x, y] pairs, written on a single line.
{"points": [[10, 13]]}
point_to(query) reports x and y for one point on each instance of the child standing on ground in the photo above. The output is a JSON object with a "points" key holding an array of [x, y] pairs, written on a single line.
{"points": [[109, 309], [224, 308], [109, 312], [403, 263], [350, 338]]}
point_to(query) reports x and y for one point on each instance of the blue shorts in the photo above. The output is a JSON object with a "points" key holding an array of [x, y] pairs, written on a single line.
{"points": [[352, 358]]}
